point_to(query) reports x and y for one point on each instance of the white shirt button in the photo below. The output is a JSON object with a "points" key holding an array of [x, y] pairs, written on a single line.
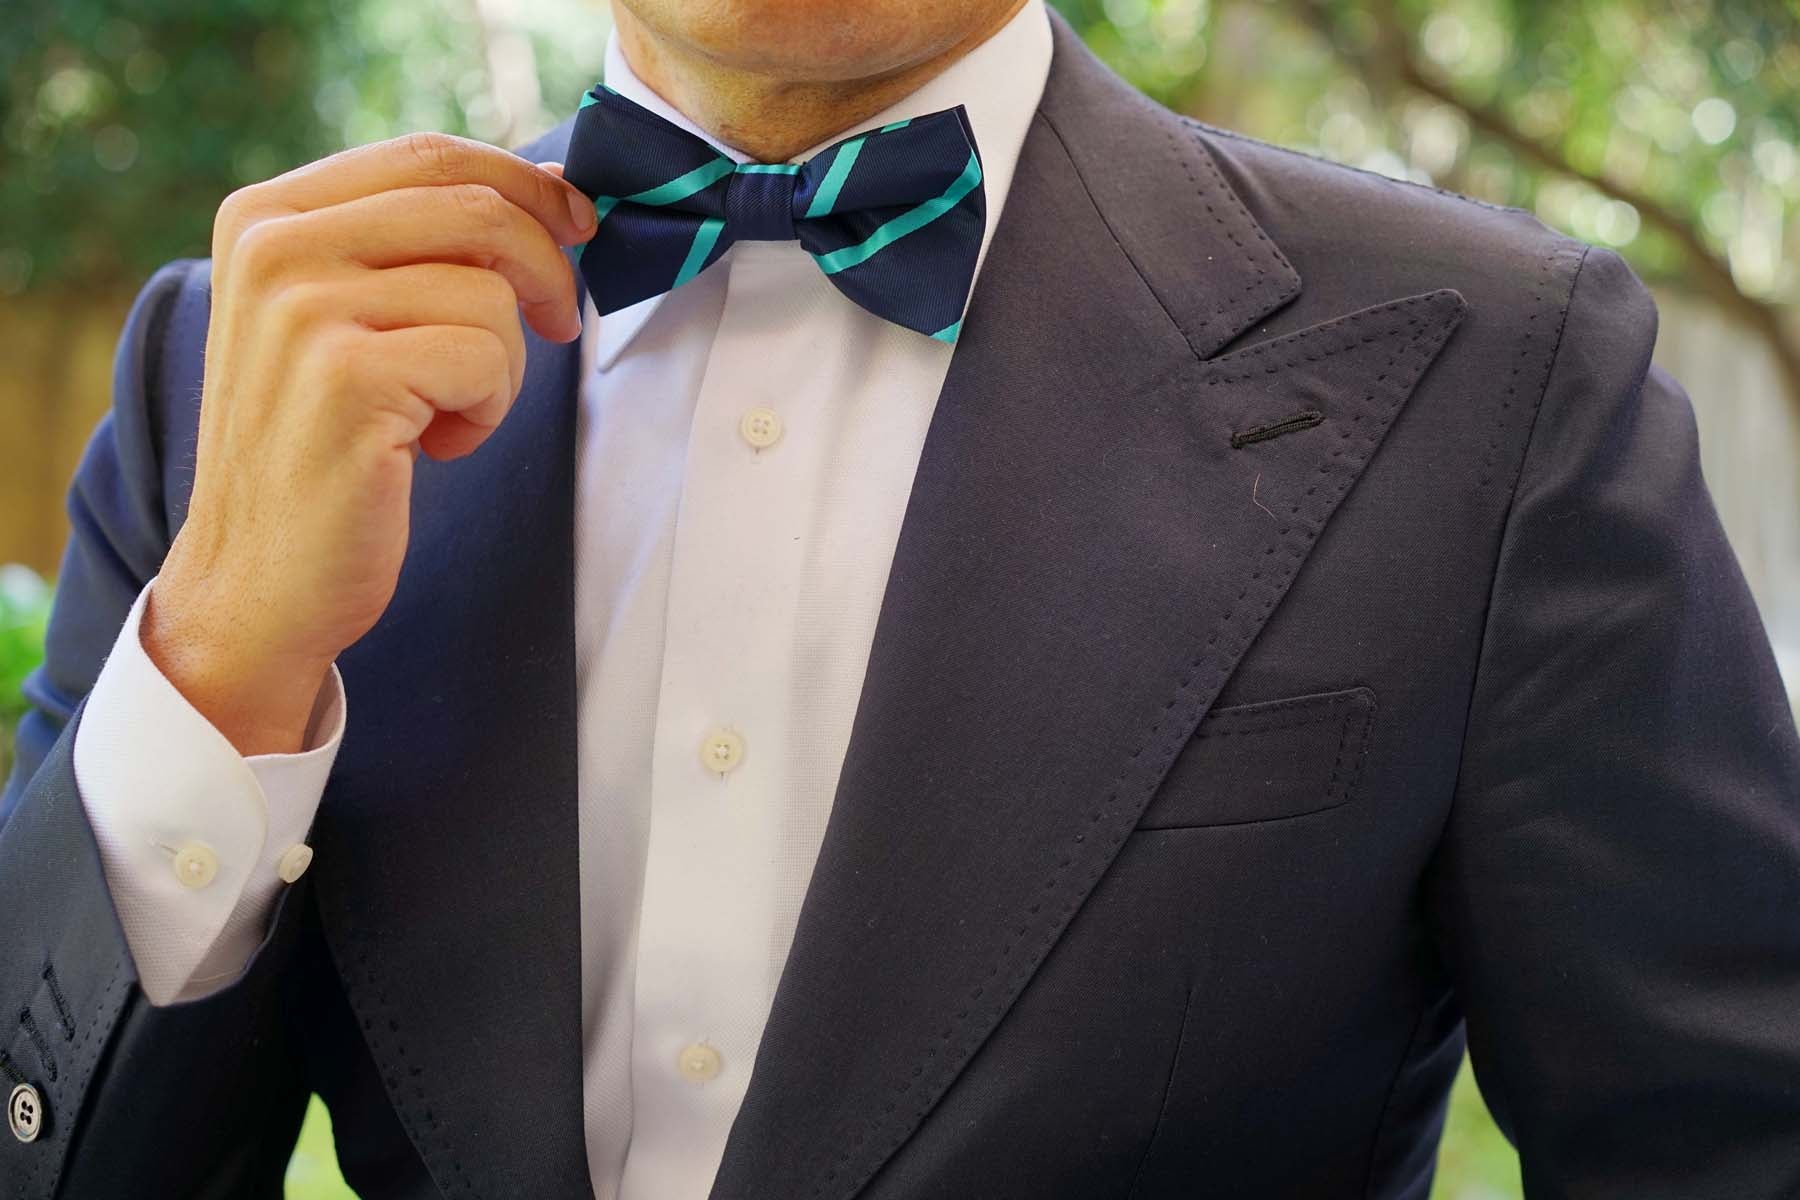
{"points": [[761, 427], [195, 865], [721, 750], [698, 1062], [293, 863]]}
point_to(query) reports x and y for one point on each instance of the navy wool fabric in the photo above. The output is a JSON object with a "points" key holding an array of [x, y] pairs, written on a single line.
{"points": [[893, 216]]}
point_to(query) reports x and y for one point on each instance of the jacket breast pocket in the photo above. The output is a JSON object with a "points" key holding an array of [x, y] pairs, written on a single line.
{"points": [[1267, 760]]}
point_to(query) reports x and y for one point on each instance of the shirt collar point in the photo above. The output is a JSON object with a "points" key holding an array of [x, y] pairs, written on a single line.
{"points": [[613, 332]]}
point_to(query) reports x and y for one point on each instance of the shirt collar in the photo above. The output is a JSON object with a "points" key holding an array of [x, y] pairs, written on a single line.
{"points": [[999, 83]]}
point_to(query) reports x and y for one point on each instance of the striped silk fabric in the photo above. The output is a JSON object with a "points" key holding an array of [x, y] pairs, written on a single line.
{"points": [[894, 216]]}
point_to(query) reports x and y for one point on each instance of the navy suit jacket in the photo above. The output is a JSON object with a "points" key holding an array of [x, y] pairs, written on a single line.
{"points": [[1310, 638]]}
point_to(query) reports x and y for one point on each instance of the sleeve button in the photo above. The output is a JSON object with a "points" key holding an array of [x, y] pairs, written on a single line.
{"points": [[25, 1113]]}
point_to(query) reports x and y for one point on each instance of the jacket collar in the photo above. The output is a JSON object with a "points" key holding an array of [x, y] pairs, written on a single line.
{"points": [[1054, 626]]}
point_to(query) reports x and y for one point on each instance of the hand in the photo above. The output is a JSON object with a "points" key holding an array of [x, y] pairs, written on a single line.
{"points": [[362, 306]]}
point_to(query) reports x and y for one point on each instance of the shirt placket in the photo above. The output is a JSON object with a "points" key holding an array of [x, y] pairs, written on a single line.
{"points": [[706, 970]]}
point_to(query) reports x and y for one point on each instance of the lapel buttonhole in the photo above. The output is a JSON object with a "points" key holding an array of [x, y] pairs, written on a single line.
{"points": [[1305, 419]]}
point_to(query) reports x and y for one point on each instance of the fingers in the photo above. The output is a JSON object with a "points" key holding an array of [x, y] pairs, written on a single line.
{"points": [[399, 273], [434, 160], [436, 294], [443, 387], [451, 435], [467, 224], [454, 368]]}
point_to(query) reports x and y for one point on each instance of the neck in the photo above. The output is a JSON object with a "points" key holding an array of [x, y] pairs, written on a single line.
{"points": [[765, 116]]}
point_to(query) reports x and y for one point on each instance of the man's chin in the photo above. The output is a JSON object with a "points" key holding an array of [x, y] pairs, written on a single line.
{"points": [[817, 41]]}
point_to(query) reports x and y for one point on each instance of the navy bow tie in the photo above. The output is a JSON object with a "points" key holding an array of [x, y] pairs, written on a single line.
{"points": [[894, 217]]}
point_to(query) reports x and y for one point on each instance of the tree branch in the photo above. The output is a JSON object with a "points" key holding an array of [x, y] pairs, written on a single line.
{"points": [[1392, 51]]}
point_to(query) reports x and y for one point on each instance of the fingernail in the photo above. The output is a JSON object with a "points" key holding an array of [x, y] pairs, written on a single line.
{"points": [[582, 209]]}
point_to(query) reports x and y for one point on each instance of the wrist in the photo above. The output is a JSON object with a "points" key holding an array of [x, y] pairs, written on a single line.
{"points": [[257, 693]]}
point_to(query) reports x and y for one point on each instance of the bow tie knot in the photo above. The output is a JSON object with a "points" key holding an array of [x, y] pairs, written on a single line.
{"points": [[759, 202], [894, 217]]}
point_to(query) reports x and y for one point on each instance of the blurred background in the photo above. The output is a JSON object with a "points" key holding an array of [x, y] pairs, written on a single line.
{"points": [[1667, 129]]}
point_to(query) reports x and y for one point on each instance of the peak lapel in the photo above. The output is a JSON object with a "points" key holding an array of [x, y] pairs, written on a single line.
{"points": [[1085, 557], [446, 870]]}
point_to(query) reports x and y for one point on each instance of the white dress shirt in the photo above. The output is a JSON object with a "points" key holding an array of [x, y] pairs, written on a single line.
{"points": [[747, 450]]}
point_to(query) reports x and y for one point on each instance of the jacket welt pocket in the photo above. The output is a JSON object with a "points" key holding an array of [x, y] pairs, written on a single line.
{"points": [[1267, 760]]}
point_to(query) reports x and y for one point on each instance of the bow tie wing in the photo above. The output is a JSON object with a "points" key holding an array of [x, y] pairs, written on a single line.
{"points": [[895, 218], [660, 195]]}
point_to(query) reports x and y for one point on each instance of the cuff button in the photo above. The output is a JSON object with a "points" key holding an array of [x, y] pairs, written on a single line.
{"points": [[25, 1113], [294, 862], [196, 865]]}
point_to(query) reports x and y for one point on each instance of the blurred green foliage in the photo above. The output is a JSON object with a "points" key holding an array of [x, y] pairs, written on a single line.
{"points": [[123, 123], [24, 612], [1475, 1161], [1687, 110], [312, 1173]]}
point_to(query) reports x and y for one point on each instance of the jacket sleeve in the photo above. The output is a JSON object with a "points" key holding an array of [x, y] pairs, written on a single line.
{"points": [[198, 1099], [1618, 889]]}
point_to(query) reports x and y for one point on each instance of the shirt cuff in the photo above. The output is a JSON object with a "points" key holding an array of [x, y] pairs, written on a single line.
{"points": [[196, 841]]}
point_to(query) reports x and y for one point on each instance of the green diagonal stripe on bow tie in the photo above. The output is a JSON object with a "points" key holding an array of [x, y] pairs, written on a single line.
{"points": [[907, 222]]}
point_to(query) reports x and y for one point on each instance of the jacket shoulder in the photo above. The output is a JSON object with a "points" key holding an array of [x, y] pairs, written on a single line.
{"points": [[1381, 212], [1358, 237]]}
